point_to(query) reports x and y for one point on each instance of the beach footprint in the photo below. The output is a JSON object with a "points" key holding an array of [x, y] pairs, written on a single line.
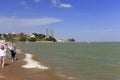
{"points": [[1, 77]]}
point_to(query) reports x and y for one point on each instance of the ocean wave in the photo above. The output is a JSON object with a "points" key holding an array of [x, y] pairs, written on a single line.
{"points": [[32, 63]]}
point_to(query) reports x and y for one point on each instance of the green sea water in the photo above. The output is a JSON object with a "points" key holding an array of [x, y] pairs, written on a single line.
{"points": [[81, 60]]}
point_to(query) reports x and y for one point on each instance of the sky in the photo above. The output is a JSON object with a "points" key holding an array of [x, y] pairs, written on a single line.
{"points": [[83, 20]]}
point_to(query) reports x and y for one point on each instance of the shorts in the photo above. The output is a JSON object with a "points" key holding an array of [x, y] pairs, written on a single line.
{"points": [[1, 57]]}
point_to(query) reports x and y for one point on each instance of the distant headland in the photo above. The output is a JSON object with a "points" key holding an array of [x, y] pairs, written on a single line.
{"points": [[34, 37]]}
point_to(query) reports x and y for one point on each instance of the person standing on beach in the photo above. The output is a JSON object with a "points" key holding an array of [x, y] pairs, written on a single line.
{"points": [[6, 49], [2, 56], [13, 52]]}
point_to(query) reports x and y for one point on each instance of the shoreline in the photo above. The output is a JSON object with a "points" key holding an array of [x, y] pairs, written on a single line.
{"points": [[15, 71]]}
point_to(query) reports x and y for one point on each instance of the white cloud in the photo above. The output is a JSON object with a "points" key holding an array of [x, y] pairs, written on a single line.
{"points": [[24, 4], [26, 22], [62, 5], [58, 3]]}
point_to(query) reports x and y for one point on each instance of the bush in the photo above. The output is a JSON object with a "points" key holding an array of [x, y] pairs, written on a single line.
{"points": [[32, 39]]}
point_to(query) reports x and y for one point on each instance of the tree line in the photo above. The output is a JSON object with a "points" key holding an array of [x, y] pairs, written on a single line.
{"points": [[23, 37]]}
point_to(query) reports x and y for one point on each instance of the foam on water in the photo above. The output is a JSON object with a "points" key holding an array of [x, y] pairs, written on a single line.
{"points": [[32, 63]]}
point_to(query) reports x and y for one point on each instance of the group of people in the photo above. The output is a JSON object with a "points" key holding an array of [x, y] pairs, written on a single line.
{"points": [[4, 50]]}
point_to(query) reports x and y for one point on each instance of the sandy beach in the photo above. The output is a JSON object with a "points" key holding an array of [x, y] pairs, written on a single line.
{"points": [[14, 71]]}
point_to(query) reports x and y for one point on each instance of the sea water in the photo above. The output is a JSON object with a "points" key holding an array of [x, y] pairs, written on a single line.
{"points": [[79, 60]]}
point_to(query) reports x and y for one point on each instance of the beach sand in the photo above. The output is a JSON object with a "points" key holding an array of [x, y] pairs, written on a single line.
{"points": [[14, 71]]}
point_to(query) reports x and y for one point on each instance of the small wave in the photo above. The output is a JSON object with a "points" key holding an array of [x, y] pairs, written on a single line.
{"points": [[32, 63]]}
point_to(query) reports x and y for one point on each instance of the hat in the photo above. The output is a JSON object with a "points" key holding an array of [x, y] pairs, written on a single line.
{"points": [[2, 47]]}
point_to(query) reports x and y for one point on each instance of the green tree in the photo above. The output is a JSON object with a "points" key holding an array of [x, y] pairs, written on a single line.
{"points": [[8, 37], [23, 37], [51, 39], [72, 40], [32, 39], [1, 36], [39, 37]]}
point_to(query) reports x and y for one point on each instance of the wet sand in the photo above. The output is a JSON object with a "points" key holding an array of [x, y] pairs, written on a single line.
{"points": [[14, 71]]}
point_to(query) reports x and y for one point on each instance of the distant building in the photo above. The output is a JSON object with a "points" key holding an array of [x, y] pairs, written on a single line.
{"points": [[32, 35], [60, 40], [46, 36], [13, 33]]}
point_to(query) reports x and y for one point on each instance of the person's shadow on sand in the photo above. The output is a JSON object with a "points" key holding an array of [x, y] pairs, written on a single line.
{"points": [[6, 64]]}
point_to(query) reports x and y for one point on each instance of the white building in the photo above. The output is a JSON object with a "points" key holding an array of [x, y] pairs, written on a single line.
{"points": [[60, 40]]}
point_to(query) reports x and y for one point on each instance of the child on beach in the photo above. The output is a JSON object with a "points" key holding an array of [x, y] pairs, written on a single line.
{"points": [[2, 56]]}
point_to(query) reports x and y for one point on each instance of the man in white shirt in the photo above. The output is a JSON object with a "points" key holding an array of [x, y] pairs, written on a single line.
{"points": [[2, 56]]}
